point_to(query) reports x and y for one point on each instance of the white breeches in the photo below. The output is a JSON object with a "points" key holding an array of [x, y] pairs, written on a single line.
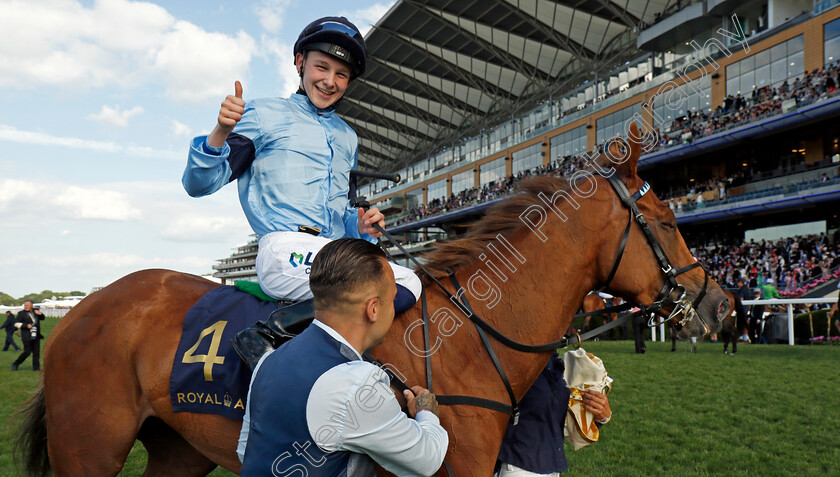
{"points": [[284, 261]]}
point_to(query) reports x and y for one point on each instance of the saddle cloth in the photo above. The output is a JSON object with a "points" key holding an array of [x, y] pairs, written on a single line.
{"points": [[207, 374]]}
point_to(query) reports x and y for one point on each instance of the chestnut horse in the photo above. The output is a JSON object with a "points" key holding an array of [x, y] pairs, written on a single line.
{"points": [[592, 303], [108, 362], [734, 323]]}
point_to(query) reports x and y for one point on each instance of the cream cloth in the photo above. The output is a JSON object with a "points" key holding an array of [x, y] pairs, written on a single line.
{"points": [[583, 371]]}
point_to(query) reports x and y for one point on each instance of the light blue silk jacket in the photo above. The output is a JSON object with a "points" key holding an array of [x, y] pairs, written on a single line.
{"points": [[292, 162]]}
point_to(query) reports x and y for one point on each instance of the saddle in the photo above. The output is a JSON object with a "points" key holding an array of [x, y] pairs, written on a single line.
{"points": [[290, 319]]}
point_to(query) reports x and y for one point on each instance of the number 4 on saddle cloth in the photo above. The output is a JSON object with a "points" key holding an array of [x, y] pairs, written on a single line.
{"points": [[208, 375]]}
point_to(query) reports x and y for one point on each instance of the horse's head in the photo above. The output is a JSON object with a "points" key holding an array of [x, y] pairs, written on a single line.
{"points": [[648, 262]]}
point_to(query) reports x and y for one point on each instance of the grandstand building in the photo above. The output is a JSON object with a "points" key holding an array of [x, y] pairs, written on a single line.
{"points": [[749, 125], [241, 265], [463, 98]]}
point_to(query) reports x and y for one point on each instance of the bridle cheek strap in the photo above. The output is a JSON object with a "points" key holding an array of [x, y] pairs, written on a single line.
{"points": [[671, 285]]}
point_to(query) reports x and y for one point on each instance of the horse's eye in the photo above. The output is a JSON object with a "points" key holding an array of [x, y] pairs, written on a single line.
{"points": [[668, 226]]}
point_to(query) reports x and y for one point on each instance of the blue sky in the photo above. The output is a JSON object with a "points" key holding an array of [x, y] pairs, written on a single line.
{"points": [[100, 100]]}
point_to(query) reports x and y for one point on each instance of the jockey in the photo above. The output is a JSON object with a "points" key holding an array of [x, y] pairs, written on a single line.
{"points": [[292, 158]]}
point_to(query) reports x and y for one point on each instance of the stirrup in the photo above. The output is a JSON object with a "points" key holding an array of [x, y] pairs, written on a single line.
{"points": [[282, 325]]}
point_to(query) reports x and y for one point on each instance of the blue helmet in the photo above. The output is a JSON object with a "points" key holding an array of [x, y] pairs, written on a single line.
{"points": [[337, 37]]}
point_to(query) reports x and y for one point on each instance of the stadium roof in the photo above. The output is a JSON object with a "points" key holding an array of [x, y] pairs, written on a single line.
{"points": [[443, 70]]}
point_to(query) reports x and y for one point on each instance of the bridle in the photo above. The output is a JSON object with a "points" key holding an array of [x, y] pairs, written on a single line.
{"points": [[671, 293]]}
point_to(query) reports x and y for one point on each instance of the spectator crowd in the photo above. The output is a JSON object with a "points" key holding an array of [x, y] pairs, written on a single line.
{"points": [[761, 103], [794, 265]]}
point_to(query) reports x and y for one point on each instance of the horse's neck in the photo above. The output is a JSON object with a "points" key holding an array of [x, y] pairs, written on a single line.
{"points": [[531, 299], [538, 301]]}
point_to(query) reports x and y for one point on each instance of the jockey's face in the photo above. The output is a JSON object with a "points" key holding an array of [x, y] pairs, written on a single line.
{"points": [[324, 78]]}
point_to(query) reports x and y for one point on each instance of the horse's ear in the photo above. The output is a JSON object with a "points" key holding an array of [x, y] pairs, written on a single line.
{"points": [[628, 168]]}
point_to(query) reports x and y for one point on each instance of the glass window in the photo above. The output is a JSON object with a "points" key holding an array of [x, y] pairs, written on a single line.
{"points": [[785, 63], [462, 181], [413, 198], [692, 101], [796, 65], [795, 44], [732, 84], [569, 143], [831, 29], [778, 52], [832, 50], [612, 125], [437, 190], [492, 171], [778, 72], [762, 76], [747, 64], [747, 82], [762, 58], [527, 159]]}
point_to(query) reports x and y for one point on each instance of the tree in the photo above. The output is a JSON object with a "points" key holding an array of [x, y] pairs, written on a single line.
{"points": [[8, 300]]}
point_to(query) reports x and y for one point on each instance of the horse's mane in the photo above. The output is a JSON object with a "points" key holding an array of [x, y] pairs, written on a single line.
{"points": [[502, 218]]}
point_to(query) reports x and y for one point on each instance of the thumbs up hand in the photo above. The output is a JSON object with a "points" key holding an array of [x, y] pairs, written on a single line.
{"points": [[232, 109]]}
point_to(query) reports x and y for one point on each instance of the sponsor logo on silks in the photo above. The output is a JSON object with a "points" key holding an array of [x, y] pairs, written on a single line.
{"points": [[297, 259]]}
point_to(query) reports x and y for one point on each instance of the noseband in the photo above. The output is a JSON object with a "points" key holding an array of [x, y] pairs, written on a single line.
{"points": [[672, 292]]}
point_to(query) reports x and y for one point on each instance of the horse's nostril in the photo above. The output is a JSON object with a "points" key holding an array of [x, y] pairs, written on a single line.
{"points": [[723, 309]]}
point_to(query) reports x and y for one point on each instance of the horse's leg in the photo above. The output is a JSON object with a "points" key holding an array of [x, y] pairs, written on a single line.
{"points": [[91, 432], [169, 453], [476, 441], [93, 401], [693, 344], [214, 436], [726, 337], [673, 339]]}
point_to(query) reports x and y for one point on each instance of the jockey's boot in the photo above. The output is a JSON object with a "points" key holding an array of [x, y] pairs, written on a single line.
{"points": [[283, 324]]}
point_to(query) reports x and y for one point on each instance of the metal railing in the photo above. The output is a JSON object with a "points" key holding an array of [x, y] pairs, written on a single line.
{"points": [[786, 302], [789, 304], [789, 189]]}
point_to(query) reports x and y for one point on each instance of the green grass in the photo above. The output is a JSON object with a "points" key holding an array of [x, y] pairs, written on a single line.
{"points": [[769, 410], [16, 387]]}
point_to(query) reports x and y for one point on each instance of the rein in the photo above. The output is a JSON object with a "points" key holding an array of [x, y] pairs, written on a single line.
{"points": [[671, 293]]}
